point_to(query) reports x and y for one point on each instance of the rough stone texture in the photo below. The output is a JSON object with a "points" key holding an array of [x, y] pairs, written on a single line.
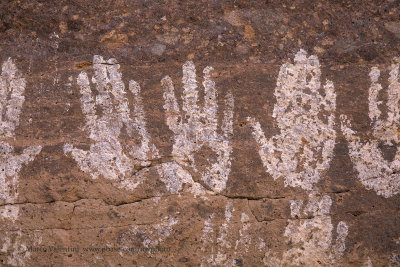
{"points": [[255, 218]]}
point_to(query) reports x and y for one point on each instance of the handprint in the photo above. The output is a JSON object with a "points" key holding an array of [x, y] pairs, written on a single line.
{"points": [[106, 156], [198, 128], [309, 234], [226, 242], [12, 88], [373, 170], [300, 154], [215, 243], [303, 149]]}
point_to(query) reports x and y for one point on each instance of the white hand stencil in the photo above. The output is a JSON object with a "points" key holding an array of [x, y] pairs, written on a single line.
{"points": [[309, 234], [12, 88], [106, 156], [303, 149], [373, 170], [198, 127], [220, 238], [300, 154]]}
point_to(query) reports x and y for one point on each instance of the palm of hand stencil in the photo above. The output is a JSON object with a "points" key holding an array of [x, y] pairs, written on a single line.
{"points": [[373, 170], [12, 88], [303, 149], [198, 127], [107, 156]]}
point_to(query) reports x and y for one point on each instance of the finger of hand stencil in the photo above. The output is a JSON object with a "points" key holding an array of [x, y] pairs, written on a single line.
{"points": [[227, 122], [342, 231], [300, 57], [373, 111], [395, 164], [329, 103], [284, 90], [139, 116], [257, 131], [100, 77], [217, 176], [14, 104], [261, 140], [313, 73], [394, 95], [13, 84], [79, 155], [68, 148], [210, 100], [118, 91], [28, 154], [298, 73], [7, 74], [102, 82], [3, 95], [171, 105], [345, 125], [329, 100], [87, 101], [190, 93]]}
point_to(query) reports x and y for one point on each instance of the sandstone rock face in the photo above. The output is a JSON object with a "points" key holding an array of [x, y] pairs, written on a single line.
{"points": [[199, 133]]}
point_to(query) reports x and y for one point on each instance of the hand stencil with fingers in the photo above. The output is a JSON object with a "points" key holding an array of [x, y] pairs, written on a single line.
{"points": [[374, 171], [195, 128], [12, 88], [303, 149], [310, 235], [106, 114]]}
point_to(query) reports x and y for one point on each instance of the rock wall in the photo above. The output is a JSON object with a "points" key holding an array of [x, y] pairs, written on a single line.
{"points": [[199, 133]]}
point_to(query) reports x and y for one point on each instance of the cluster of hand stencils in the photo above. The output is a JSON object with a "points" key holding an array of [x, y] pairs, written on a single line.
{"points": [[107, 157], [300, 154]]}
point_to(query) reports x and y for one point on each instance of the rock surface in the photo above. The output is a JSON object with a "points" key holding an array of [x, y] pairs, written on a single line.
{"points": [[199, 133]]}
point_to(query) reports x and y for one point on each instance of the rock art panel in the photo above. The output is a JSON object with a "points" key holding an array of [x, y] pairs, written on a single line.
{"points": [[146, 154]]}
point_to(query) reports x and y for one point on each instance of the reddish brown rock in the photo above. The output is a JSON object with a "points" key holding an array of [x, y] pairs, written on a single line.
{"points": [[63, 216]]}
